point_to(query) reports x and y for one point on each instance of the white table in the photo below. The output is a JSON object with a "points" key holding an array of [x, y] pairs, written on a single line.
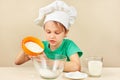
{"points": [[29, 73]]}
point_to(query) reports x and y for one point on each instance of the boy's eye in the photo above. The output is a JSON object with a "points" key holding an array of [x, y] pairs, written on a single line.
{"points": [[57, 32], [48, 32]]}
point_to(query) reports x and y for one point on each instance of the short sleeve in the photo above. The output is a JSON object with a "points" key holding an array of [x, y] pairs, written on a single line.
{"points": [[73, 48]]}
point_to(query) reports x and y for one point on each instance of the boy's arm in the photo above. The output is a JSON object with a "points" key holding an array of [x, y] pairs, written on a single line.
{"points": [[21, 58], [73, 64]]}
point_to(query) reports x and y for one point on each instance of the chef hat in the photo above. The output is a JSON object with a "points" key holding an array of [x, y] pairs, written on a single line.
{"points": [[57, 11]]}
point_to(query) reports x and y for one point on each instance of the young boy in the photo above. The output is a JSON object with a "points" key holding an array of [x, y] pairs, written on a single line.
{"points": [[56, 19]]}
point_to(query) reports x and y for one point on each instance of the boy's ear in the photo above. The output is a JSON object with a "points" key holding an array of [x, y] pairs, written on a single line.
{"points": [[66, 33]]}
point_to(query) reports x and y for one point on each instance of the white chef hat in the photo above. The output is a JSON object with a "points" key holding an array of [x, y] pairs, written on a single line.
{"points": [[57, 11]]}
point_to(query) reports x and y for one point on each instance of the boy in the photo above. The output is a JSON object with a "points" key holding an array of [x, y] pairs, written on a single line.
{"points": [[56, 19]]}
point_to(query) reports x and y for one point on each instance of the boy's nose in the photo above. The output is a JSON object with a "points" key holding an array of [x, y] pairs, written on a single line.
{"points": [[52, 36]]}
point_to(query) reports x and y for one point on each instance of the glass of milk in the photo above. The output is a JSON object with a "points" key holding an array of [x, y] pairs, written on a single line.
{"points": [[95, 65]]}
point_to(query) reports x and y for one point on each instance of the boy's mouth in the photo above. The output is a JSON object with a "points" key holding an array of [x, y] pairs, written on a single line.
{"points": [[52, 41]]}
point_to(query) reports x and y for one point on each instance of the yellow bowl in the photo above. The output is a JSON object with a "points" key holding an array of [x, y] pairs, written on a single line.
{"points": [[34, 40]]}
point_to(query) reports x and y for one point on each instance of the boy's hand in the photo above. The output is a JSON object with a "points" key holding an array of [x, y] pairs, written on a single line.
{"points": [[38, 58]]}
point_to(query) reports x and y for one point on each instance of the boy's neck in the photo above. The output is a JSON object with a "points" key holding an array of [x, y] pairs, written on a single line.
{"points": [[54, 47]]}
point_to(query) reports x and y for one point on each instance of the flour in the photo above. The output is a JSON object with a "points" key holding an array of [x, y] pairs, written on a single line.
{"points": [[33, 47], [46, 73]]}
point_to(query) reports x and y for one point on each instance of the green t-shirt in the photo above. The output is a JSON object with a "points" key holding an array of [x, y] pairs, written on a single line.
{"points": [[67, 48]]}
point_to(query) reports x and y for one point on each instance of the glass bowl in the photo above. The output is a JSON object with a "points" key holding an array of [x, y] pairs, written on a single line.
{"points": [[49, 68]]}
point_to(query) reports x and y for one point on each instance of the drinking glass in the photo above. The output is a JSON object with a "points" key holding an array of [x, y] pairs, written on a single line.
{"points": [[95, 65]]}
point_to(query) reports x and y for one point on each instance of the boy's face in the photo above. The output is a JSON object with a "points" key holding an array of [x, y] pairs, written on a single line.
{"points": [[55, 33]]}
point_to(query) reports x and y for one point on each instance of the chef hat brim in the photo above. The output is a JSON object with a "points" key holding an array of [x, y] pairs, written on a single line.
{"points": [[58, 16]]}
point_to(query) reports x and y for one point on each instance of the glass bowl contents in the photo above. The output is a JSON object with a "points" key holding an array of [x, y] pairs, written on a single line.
{"points": [[49, 68]]}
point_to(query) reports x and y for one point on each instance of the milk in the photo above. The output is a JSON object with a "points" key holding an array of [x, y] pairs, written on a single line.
{"points": [[33, 47], [95, 67]]}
